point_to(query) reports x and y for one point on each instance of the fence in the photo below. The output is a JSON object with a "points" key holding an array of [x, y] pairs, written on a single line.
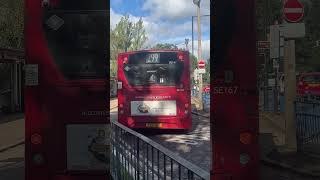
{"points": [[135, 157], [308, 125], [206, 101]]}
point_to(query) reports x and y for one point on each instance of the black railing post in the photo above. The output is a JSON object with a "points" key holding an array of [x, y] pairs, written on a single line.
{"points": [[125, 140], [138, 158]]}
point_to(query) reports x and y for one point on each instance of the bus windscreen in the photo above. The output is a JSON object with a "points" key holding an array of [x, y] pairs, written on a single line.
{"points": [[77, 42], [149, 68]]}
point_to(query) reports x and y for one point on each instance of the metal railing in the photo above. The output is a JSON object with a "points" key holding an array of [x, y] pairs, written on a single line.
{"points": [[135, 157], [308, 126], [309, 98]]}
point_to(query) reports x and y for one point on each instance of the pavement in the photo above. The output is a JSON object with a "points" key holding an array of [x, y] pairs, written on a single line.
{"points": [[273, 152], [11, 131]]}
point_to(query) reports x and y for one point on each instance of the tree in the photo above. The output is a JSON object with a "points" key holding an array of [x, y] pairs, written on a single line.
{"points": [[122, 34], [127, 35], [138, 36], [307, 56], [114, 68], [11, 23], [165, 46], [206, 76]]}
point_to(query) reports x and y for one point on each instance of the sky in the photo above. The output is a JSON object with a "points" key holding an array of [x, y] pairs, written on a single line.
{"points": [[166, 21]]}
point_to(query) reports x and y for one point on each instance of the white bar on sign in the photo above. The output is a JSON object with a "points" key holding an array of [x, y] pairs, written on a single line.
{"points": [[201, 71], [293, 10]]}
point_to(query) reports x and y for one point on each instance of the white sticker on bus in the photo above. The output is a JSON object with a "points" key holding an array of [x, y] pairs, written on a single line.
{"points": [[31, 74], [88, 146], [153, 108]]}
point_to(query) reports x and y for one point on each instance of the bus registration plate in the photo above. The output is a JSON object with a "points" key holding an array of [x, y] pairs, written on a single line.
{"points": [[154, 125]]}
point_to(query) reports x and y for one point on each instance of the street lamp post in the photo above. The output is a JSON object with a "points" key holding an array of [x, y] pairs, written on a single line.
{"points": [[192, 50], [197, 3]]}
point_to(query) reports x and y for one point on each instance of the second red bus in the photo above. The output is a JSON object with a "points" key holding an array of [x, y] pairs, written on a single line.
{"points": [[154, 89]]}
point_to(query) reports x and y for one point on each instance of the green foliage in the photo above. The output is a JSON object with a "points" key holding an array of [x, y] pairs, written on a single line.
{"points": [[194, 65], [307, 56], [165, 46], [126, 36], [11, 23], [139, 36], [276, 11], [113, 68], [206, 76]]}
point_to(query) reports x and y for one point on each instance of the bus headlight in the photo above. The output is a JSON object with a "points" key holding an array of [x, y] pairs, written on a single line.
{"points": [[38, 159]]}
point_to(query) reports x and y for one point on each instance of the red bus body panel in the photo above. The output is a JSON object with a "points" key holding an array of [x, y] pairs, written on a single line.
{"points": [[234, 104], [182, 96], [55, 103]]}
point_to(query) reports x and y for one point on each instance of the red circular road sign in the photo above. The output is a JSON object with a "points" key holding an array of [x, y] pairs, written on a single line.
{"points": [[293, 11], [201, 64]]}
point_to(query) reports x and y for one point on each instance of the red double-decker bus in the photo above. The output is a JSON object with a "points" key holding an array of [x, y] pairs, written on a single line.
{"points": [[67, 125], [154, 89]]}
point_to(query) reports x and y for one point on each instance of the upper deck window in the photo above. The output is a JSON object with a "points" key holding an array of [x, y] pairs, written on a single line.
{"points": [[154, 68], [76, 33]]}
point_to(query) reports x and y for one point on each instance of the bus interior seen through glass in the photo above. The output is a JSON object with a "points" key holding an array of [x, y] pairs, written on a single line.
{"points": [[167, 72], [77, 42]]}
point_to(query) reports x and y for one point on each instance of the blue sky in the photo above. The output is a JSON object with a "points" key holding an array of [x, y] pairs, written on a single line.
{"points": [[166, 21]]}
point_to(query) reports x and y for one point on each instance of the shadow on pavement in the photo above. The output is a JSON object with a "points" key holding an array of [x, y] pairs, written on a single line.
{"points": [[14, 170]]}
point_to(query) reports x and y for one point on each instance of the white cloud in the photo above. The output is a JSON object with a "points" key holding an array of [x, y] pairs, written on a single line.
{"points": [[174, 9], [205, 45], [170, 25], [205, 49], [114, 18]]}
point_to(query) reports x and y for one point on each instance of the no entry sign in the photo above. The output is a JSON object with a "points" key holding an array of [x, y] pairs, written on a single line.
{"points": [[201, 64], [293, 11]]}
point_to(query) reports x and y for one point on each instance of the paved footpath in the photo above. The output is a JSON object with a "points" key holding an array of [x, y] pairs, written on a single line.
{"points": [[11, 131], [274, 153]]}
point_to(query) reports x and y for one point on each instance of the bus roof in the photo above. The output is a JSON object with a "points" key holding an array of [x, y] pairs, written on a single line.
{"points": [[309, 74], [152, 50]]}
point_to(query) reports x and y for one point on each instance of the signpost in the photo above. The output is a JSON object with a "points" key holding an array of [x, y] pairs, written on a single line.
{"points": [[293, 14], [201, 67], [293, 11]]}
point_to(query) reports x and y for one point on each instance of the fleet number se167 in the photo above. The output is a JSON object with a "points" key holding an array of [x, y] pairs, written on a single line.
{"points": [[225, 90]]}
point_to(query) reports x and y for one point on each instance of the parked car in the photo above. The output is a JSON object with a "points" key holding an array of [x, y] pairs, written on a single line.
{"points": [[309, 84]]}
